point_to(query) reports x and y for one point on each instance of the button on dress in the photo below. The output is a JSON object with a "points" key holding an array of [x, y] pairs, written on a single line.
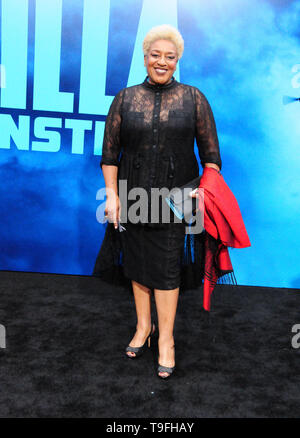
{"points": [[149, 135]]}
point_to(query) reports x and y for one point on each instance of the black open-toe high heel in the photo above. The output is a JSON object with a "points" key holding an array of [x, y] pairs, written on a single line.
{"points": [[163, 369], [138, 351]]}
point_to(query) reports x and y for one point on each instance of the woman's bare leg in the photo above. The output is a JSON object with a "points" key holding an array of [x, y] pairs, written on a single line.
{"points": [[166, 306], [142, 298]]}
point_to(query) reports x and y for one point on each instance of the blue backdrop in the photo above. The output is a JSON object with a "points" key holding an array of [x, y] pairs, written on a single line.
{"points": [[62, 61]]}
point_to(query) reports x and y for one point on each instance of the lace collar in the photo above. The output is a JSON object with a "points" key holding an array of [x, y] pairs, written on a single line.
{"points": [[159, 86]]}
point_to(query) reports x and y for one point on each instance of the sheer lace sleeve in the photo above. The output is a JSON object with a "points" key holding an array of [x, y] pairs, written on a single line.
{"points": [[206, 133], [111, 141]]}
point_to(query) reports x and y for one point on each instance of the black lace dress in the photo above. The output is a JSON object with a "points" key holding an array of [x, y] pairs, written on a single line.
{"points": [[149, 134]]}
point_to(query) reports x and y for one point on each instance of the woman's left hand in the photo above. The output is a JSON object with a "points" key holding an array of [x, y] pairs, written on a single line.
{"points": [[194, 193], [199, 194]]}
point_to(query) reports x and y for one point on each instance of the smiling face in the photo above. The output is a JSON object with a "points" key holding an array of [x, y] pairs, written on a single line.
{"points": [[161, 61]]}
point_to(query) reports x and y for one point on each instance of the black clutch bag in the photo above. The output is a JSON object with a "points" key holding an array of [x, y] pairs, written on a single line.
{"points": [[183, 205]]}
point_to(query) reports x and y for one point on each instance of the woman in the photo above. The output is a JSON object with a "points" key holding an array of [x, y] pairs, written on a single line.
{"points": [[153, 126]]}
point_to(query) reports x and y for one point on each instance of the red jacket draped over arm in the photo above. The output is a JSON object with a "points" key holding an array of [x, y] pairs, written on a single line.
{"points": [[224, 223]]}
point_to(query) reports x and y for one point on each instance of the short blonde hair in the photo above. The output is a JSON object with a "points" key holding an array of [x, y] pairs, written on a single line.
{"points": [[164, 32]]}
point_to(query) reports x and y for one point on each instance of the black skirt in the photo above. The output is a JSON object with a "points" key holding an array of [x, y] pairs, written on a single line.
{"points": [[158, 257], [152, 255]]}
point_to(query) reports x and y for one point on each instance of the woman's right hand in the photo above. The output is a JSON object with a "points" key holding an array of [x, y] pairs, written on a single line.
{"points": [[113, 208]]}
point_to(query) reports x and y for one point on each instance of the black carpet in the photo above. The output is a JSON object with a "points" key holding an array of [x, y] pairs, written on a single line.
{"points": [[66, 337]]}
